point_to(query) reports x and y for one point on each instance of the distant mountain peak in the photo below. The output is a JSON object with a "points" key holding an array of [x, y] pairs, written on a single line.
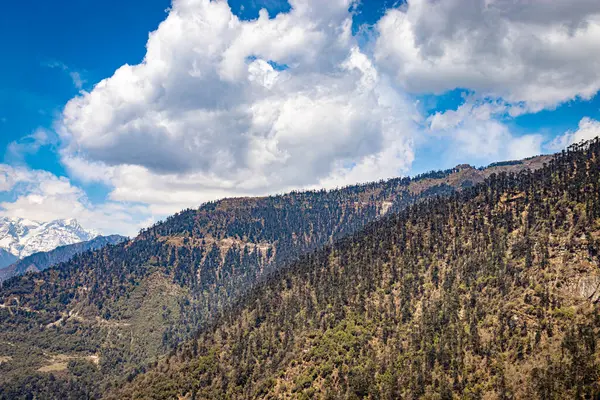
{"points": [[22, 237]]}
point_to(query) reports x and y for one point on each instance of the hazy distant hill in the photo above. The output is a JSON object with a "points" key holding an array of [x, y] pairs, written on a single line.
{"points": [[6, 258]]}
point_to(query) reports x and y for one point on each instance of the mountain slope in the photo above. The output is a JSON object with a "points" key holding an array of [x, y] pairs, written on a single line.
{"points": [[21, 237], [6, 259], [190, 267], [490, 293], [43, 260]]}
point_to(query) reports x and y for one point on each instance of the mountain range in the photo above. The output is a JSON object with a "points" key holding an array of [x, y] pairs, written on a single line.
{"points": [[491, 292], [452, 283], [21, 237], [42, 260]]}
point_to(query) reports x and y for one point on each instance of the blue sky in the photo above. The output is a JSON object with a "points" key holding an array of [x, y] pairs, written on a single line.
{"points": [[257, 107]]}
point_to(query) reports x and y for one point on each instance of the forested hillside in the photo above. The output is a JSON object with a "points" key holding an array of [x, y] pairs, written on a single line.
{"points": [[492, 292], [89, 323]]}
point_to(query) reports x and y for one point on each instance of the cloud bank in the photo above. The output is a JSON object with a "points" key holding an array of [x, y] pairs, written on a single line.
{"points": [[538, 53], [221, 106]]}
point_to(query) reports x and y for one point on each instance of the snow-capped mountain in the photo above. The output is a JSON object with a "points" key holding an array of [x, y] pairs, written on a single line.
{"points": [[21, 237]]}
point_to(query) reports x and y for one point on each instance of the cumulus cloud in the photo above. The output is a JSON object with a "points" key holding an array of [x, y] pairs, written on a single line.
{"points": [[40, 195], [9, 176], [536, 53], [476, 133], [225, 107], [206, 114]]}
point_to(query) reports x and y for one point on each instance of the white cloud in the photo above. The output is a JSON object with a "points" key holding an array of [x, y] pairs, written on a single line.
{"points": [[469, 110], [8, 177], [205, 115], [539, 53], [588, 129], [475, 133], [42, 196]]}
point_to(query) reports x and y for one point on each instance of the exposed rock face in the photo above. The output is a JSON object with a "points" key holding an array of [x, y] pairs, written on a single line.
{"points": [[589, 288]]}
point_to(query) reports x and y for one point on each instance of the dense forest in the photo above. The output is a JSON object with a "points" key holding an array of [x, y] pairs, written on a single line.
{"points": [[492, 292], [84, 326]]}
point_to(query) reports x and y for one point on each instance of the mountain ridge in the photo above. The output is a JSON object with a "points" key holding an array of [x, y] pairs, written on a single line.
{"points": [[191, 266], [6, 258], [492, 292]]}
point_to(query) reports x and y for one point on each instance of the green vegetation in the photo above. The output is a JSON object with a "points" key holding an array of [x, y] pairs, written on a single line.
{"points": [[491, 293], [128, 306]]}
